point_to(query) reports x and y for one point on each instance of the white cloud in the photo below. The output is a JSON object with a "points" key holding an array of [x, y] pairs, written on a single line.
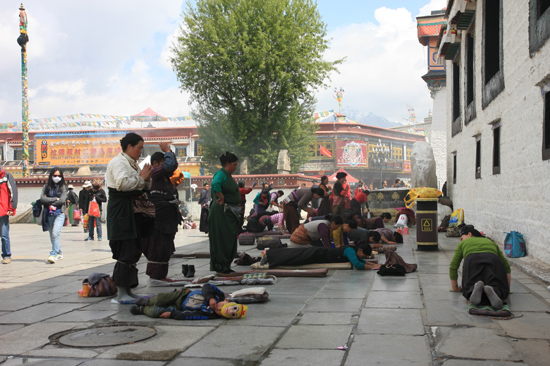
{"points": [[384, 65]]}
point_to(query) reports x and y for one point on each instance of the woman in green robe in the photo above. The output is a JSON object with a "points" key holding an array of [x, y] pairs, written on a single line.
{"points": [[223, 219]]}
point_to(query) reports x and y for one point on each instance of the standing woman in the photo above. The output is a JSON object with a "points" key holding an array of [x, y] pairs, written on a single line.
{"points": [[324, 206], [339, 193], [125, 180], [54, 197], [223, 219]]}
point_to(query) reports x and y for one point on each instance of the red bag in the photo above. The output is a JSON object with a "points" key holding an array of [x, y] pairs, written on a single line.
{"points": [[94, 209], [77, 215]]}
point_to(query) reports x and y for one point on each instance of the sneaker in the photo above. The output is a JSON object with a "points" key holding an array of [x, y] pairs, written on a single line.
{"points": [[6, 260], [51, 259], [89, 238], [99, 238], [59, 256]]}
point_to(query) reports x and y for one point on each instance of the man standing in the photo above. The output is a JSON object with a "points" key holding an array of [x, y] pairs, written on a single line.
{"points": [[204, 198], [8, 204], [84, 200]]}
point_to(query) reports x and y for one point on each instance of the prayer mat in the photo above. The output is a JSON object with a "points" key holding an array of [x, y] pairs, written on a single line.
{"points": [[191, 255], [318, 272], [482, 310]]}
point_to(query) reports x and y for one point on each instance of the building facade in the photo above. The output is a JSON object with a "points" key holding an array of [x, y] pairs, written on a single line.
{"points": [[498, 116]]}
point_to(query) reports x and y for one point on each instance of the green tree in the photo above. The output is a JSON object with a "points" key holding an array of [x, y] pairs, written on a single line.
{"points": [[252, 67]]}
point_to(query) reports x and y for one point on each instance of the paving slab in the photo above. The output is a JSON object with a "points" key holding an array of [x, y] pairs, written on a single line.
{"points": [[312, 318], [64, 352], [249, 344], [25, 301], [391, 350], [526, 302], [395, 284], [401, 300], [41, 362], [528, 326], [169, 342], [482, 363], [391, 321], [37, 313], [535, 352], [315, 337], [475, 343], [193, 361], [452, 313], [303, 357], [82, 315], [333, 305], [32, 337]]}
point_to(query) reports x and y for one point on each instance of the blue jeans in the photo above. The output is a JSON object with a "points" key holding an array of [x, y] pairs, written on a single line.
{"points": [[5, 233], [55, 224], [91, 227]]}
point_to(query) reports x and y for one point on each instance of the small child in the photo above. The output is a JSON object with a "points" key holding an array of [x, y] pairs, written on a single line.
{"points": [[207, 303]]}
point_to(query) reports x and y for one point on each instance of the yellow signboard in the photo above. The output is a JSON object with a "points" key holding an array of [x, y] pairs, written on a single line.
{"points": [[426, 224], [70, 150]]}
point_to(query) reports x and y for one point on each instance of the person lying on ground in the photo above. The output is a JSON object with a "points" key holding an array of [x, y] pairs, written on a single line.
{"points": [[206, 303], [355, 233], [377, 222], [486, 274], [316, 233], [356, 255], [389, 237]]}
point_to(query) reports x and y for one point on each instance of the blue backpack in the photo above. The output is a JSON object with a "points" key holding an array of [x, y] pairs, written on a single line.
{"points": [[514, 245]]}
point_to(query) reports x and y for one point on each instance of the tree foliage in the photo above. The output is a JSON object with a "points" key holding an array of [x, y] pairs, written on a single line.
{"points": [[252, 67]]}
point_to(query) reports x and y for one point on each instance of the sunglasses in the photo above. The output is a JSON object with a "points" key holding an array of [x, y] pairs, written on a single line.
{"points": [[56, 175]]}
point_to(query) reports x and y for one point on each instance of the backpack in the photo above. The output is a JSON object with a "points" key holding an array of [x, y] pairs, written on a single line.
{"points": [[104, 287], [514, 245], [271, 242], [392, 270], [37, 208]]}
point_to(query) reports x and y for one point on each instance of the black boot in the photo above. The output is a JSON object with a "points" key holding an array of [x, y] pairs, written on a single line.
{"points": [[191, 271], [184, 269]]}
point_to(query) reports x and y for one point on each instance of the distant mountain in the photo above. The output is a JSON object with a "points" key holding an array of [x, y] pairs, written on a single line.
{"points": [[370, 119]]}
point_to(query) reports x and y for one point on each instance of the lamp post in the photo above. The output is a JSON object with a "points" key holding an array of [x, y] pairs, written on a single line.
{"points": [[22, 41]]}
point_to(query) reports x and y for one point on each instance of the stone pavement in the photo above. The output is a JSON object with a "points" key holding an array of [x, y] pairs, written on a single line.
{"points": [[382, 321]]}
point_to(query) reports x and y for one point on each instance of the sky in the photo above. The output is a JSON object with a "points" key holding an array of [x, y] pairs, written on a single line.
{"points": [[112, 58]]}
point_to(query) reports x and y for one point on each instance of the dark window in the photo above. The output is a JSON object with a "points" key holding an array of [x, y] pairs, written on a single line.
{"points": [[478, 158], [496, 149], [493, 78], [454, 168], [539, 24], [546, 128], [470, 111], [543, 5], [457, 106], [17, 153]]}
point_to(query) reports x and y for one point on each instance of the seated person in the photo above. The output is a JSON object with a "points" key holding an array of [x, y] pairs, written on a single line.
{"points": [[316, 233], [389, 237], [377, 222], [270, 221], [486, 274], [356, 255], [205, 303]]}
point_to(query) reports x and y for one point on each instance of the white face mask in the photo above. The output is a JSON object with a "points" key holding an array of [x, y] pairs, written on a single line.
{"points": [[56, 179]]}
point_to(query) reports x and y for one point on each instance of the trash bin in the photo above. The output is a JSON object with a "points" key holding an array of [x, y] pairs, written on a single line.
{"points": [[426, 224]]}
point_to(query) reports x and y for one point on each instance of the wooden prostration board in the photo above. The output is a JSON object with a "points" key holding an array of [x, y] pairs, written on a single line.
{"points": [[317, 272]]}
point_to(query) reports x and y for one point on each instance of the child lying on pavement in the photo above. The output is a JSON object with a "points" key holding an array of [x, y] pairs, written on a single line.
{"points": [[206, 303]]}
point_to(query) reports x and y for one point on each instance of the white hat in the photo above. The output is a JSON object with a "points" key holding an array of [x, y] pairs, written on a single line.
{"points": [[87, 184], [70, 186]]}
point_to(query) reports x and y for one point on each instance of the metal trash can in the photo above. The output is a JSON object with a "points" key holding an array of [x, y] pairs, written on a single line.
{"points": [[426, 224]]}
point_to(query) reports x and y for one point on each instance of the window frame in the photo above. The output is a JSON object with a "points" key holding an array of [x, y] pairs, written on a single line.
{"points": [[546, 127], [478, 157], [496, 127], [539, 26], [493, 87], [469, 78], [457, 104]]}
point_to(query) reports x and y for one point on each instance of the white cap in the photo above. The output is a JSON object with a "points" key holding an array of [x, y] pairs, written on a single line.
{"points": [[87, 184]]}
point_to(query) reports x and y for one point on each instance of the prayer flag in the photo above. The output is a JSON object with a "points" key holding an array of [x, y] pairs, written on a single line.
{"points": [[325, 152]]}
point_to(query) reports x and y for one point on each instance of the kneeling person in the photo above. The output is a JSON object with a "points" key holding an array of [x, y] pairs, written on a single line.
{"points": [[206, 303]]}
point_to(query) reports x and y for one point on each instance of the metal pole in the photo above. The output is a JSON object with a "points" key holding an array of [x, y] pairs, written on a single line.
{"points": [[22, 41]]}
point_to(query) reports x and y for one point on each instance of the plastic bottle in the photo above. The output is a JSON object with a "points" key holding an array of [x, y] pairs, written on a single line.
{"points": [[406, 235]]}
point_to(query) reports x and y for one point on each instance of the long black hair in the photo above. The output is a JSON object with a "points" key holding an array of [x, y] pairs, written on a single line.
{"points": [[51, 184]]}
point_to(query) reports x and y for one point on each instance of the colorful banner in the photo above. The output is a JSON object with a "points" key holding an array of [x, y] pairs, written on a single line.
{"points": [[407, 166], [70, 150], [351, 153]]}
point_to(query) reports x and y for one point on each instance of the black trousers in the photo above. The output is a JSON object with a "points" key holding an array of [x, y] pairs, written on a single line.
{"points": [[488, 268]]}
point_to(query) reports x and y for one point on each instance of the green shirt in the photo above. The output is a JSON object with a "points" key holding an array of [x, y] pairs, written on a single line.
{"points": [[223, 182], [475, 245]]}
